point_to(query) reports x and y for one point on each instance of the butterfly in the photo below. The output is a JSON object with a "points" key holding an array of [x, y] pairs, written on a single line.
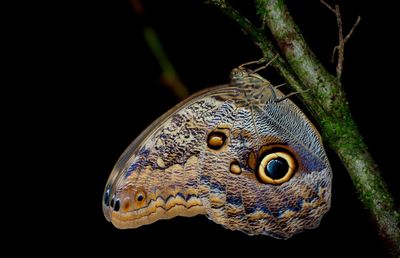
{"points": [[242, 154]]}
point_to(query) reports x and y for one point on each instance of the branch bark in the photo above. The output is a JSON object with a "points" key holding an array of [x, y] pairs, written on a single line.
{"points": [[327, 101]]}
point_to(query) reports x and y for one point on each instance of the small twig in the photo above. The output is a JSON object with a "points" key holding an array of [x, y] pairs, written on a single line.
{"points": [[328, 6], [340, 46], [333, 53], [342, 40], [346, 38], [352, 29], [339, 66]]}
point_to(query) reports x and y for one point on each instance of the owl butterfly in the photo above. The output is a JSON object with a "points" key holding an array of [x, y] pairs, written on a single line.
{"points": [[242, 154]]}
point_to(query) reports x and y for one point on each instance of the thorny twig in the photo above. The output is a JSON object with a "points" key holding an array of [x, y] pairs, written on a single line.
{"points": [[342, 40]]}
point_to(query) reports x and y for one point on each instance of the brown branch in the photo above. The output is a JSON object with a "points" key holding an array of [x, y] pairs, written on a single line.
{"points": [[328, 6], [339, 66], [342, 40], [352, 29]]}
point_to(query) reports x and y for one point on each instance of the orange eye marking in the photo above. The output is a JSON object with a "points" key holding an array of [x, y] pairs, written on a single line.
{"points": [[140, 198]]}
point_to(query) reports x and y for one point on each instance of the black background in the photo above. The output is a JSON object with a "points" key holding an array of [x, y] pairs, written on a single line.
{"points": [[105, 87]]}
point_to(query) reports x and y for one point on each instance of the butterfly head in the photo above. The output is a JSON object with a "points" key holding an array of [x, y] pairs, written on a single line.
{"points": [[241, 76]]}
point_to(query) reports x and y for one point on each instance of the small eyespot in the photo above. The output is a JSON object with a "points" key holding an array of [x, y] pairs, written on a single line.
{"points": [[140, 198], [235, 167], [216, 140], [276, 168]]}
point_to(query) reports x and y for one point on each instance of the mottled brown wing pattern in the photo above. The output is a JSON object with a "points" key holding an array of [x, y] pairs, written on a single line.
{"points": [[238, 154]]}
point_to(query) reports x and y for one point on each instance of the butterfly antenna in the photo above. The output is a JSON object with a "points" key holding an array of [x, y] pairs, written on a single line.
{"points": [[267, 64], [262, 60], [280, 85]]}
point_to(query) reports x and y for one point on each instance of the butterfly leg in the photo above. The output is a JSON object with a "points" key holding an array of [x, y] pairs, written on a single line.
{"points": [[277, 100]]}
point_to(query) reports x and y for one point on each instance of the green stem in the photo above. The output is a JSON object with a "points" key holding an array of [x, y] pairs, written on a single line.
{"points": [[169, 75]]}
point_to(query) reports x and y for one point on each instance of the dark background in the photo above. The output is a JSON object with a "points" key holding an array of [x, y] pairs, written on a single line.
{"points": [[104, 84]]}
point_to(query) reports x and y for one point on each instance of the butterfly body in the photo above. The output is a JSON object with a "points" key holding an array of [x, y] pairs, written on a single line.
{"points": [[233, 153]]}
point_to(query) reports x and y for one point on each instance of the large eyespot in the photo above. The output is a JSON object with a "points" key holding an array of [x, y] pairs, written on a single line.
{"points": [[140, 198], [276, 168]]}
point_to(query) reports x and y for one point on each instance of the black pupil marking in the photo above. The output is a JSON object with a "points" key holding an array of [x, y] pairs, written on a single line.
{"points": [[107, 197], [216, 140], [140, 198], [277, 168], [116, 205]]}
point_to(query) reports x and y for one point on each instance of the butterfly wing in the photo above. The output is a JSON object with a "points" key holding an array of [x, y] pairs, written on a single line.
{"points": [[158, 175], [249, 165], [252, 205]]}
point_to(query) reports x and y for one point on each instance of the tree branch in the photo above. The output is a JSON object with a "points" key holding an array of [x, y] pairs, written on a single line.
{"points": [[327, 102], [352, 29], [338, 126], [268, 49], [259, 38]]}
